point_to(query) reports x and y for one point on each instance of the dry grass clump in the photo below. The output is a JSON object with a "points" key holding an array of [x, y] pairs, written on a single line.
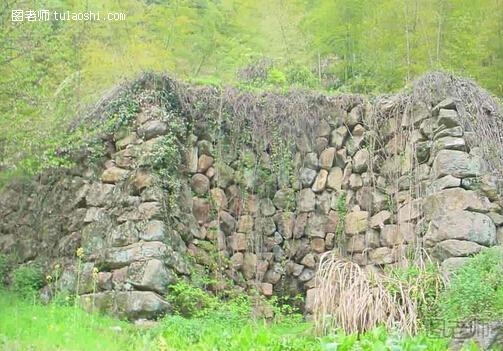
{"points": [[357, 300]]}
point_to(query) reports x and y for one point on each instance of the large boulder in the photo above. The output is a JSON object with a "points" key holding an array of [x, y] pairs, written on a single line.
{"points": [[448, 200], [150, 275], [122, 256], [456, 248], [458, 164], [356, 222], [462, 225], [131, 305], [152, 129]]}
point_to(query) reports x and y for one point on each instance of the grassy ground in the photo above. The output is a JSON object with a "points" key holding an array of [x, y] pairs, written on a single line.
{"points": [[28, 325]]}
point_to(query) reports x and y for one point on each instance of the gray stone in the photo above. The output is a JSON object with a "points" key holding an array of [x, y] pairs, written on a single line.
{"points": [[454, 199], [356, 222], [152, 129], [423, 151], [417, 113], [200, 184], [201, 209], [150, 275], [462, 225], [380, 219], [273, 275], [191, 159], [458, 164], [354, 116], [316, 225], [327, 158], [113, 175], [227, 222], [126, 304], [307, 176], [447, 103], [341, 158], [334, 179], [118, 257], [249, 265], [307, 200], [338, 137], [204, 162], [410, 210], [310, 300], [267, 207], [309, 261], [360, 161], [124, 234], [382, 255], [355, 181], [320, 144], [449, 143], [306, 275], [311, 161], [456, 248], [245, 224], [323, 129], [449, 132], [320, 181], [443, 183], [448, 118], [391, 235], [356, 243], [238, 242], [98, 194]]}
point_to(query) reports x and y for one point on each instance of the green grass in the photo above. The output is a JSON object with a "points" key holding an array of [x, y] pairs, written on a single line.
{"points": [[28, 325]]}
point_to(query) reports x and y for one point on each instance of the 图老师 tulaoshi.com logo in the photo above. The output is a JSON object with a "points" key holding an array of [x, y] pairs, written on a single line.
{"points": [[21, 15]]}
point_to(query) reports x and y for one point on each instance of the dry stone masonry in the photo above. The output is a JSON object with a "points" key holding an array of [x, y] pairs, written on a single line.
{"points": [[375, 194]]}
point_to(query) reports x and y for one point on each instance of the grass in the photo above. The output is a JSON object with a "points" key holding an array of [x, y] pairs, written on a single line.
{"points": [[28, 325]]}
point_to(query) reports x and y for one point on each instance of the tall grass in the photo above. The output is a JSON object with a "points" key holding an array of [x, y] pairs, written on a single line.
{"points": [[359, 300]]}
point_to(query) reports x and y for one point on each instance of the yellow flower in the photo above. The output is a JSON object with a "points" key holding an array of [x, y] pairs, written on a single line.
{"points": [[48, 278], [80, 252]]}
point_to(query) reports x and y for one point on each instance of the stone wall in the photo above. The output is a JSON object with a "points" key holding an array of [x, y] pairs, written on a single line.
{"points": [[378, 191]]}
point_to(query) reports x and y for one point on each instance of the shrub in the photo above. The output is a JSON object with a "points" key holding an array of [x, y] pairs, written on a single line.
{"points": [[426, 284], [190, 301], [4, 268], [26, 280], [475, 291]]}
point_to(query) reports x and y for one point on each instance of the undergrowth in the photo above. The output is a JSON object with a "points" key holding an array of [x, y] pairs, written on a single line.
{"points": [[28, 325], [475, 292]]}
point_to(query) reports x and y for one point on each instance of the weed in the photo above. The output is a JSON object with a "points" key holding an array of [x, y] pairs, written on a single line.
{"points": [[26, 280]]}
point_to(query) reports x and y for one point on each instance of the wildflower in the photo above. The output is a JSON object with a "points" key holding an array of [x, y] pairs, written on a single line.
{"points": [[48, 278], [80, 252], [95, 273]]}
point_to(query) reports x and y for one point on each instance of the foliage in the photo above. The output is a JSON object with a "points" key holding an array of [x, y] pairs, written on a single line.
{"points": [[190, 301], [475, 291], [426, 285], [4, 268], [342, 210], [51, 70], [27, 325], [26, 280]]}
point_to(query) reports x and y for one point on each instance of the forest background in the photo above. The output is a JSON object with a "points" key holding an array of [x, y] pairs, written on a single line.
{"points": [[52, 70]]}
